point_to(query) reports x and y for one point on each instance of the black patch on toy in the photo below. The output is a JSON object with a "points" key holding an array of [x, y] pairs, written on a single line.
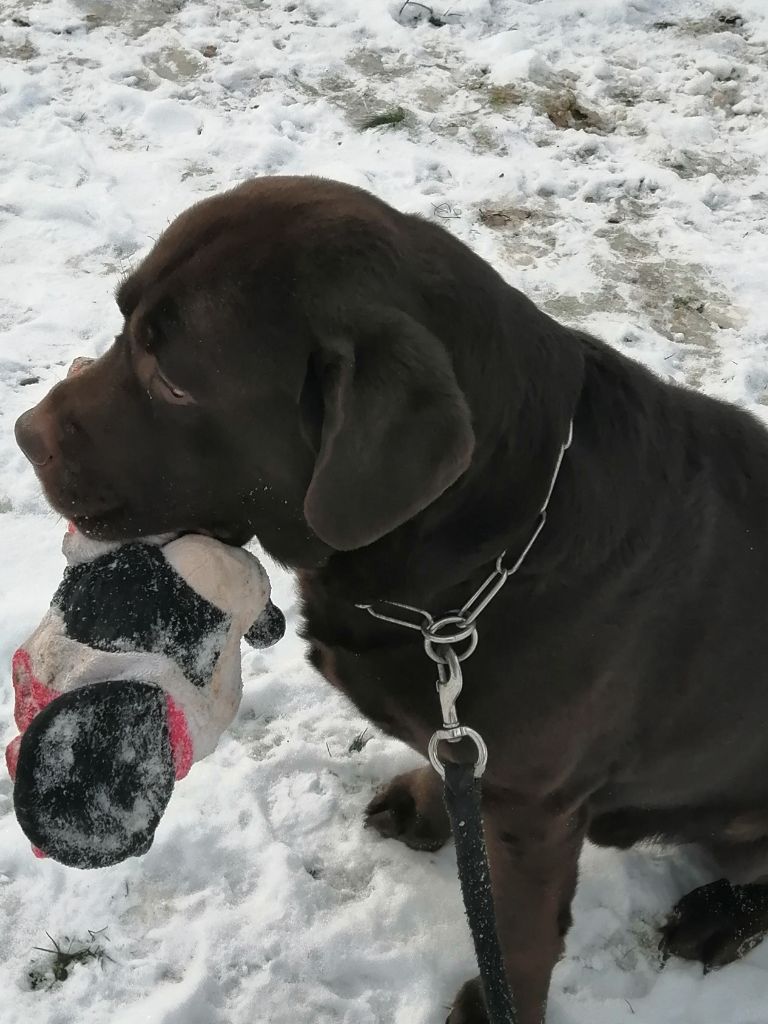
{"points": [[95, 774], [268, 628], [131, 599]]}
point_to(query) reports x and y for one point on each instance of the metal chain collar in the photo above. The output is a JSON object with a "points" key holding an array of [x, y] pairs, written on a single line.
{"points": [[441, 635]]}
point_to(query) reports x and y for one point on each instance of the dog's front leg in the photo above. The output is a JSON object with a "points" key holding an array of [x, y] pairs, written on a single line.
{"points": [[533, 856]]}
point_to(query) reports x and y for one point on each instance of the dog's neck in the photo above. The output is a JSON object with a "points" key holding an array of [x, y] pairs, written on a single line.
{"points": [[494, 506]]}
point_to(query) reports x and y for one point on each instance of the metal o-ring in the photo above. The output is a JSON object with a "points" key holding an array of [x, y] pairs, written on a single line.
{"points": [[431, 631], [433, 641], [453, 736], [439, 656]]}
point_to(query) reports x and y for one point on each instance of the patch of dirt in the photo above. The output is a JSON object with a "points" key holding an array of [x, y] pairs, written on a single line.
{"points": [[485, 139], [677, 299], [430, 98], [721, 21], [102, 259], [575, 309], [379, 64], [526, 234], [695, 163], [364, 94], [502, 97], [555, 99], [197, 170], [503, 216], [370, 110], [135, 17], [564, 110], [175, 64], [25, 50], [386, 119]]}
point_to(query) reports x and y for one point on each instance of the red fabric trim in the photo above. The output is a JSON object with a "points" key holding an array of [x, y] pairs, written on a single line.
{"points": [[12, 756], [181, 741], [31, 696]]}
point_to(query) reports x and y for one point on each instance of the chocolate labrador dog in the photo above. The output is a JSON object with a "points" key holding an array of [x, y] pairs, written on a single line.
{"points": [[352, 385]]}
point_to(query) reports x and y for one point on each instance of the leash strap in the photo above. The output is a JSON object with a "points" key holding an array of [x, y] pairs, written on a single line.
{"points": [[462, 799], [462, 781]]}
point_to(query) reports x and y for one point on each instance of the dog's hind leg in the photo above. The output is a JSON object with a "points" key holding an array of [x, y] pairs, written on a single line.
{"points": [[721, 922]]}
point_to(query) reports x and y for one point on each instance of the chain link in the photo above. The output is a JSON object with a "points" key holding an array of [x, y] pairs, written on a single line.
{"points": [[425, 617]]}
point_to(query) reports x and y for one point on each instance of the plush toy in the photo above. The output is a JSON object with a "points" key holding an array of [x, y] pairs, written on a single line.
{"points": [[132, 675]]}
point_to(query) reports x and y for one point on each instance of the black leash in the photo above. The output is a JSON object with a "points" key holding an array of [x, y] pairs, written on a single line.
{"points": [[462, 798], [462, 781]]}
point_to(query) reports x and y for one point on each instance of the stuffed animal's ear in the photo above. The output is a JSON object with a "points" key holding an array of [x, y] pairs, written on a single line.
{"points": [[396, 431], [267, 629]]}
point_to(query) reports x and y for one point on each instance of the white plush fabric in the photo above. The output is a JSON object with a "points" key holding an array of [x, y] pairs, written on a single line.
{"points": [[232, 579]]}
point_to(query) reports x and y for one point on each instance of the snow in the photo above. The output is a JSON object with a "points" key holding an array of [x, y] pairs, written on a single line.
{"points": [[610, 157]]}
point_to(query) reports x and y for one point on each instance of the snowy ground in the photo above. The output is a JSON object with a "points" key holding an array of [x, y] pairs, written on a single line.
{"points": [[609, 156]]}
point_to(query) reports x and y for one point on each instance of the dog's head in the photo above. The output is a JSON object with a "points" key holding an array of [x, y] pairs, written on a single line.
{"points": [[272, 378]]}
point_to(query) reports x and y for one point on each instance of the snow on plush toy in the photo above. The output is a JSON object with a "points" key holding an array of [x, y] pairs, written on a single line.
{"points": [[132, 675]]}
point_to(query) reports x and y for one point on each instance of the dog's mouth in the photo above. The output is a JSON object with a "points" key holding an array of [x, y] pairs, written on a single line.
{"points": [[236, 538], [91, 512], [119, 524], [106, 516], [101, 524]]}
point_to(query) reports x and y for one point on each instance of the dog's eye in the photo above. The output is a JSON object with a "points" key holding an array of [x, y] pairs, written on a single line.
{"points": [[174, 393]]}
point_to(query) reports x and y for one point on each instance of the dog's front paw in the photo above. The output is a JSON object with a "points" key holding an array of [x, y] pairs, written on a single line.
{"points": [[717, 923], [410, 808], [469, 1005]]}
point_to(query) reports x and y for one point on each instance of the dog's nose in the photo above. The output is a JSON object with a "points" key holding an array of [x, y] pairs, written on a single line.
{"points": [[35, 436]]}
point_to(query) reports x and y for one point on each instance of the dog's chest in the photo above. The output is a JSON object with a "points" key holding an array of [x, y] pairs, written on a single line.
{"points": [[392, 684], [395, 690]]}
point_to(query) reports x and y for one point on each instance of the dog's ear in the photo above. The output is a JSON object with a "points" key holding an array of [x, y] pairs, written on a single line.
{"points": [[396, 430]]}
